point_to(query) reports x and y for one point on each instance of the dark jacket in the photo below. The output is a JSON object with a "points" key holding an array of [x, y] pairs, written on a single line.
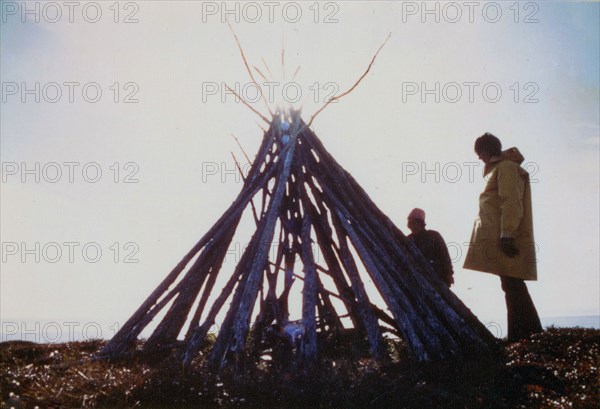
{"points": [[433, 247]]}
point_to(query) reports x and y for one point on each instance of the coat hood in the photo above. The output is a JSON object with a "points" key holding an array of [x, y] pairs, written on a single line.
{"points": [[512, 154]]}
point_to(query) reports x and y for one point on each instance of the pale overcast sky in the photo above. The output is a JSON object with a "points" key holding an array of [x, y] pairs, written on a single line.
{"points": [[135, 90]]}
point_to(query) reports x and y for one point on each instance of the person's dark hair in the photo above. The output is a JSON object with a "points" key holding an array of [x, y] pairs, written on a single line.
{"points": [[488, 143]]}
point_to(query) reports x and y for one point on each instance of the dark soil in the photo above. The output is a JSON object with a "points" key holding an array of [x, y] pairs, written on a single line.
{"points": [[554, 369]]}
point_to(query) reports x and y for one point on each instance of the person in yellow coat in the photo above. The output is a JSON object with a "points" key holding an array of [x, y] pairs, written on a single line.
{"points": [[502, 241]]}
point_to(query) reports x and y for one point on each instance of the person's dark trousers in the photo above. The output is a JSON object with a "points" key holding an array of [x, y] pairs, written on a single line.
{"points": [[523, 319]]}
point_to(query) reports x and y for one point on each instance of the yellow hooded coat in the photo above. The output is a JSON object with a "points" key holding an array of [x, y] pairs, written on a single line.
{"points": [[504, 211]]}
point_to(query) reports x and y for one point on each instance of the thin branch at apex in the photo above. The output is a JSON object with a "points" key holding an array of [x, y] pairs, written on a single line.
{"points": [[262, 95], [247, 104], [243, 151], [337, 97], [260, 73]]}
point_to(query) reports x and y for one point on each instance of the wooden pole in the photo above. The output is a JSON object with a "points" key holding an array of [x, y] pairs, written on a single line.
{"points": [[309, 299]]}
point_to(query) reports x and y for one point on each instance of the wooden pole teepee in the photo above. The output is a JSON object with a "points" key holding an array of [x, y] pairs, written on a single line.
{"points": [[307, 201]]}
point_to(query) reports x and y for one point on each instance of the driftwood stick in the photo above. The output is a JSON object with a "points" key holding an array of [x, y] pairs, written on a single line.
{"points": [[326, 244], [460, 319], [365, 308], [216, 268], [199, 334], [170, 326], [260, 73], [424, 325], [241, 321], [244, 179], [354, 197], [253, 265], [430, 335], [196, 336], [402, 316], [124, 339], [321, 290], [282, 58], [271, 306], [361, 309], [267, 67], [195, 321], [218, 355], [411, 256], [343, 94], [247, 104], [295, 73], [309, 298], [433, 301], [265, 148], [383, 316], [210, 259], [434, 335], [241, 148], [262, 95], [329, 312]]}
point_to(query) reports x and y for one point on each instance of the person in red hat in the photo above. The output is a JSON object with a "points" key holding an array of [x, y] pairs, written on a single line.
{"points": [[431, 244]]}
